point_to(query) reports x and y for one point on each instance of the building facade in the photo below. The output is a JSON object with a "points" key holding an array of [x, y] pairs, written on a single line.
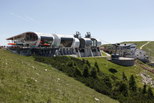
{"points": [[141, 55], [130, 51], [125, 50], [32, 43]]}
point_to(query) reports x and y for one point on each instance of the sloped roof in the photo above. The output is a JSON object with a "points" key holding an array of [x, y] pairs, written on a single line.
{"points": [[20, 35], [40, 34]]}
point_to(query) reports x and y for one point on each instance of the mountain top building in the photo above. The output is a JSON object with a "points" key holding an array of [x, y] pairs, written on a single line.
{"points": [[130, 50], [33, 43]]}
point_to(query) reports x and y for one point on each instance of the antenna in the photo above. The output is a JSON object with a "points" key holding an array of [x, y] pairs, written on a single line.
{"points": [[88, 35], [77, 35]]}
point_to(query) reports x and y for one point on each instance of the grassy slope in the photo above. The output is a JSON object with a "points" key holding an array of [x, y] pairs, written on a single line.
{"points": [[22, 80], [150, 49], [135, 70], [138, 43], [106, 65]]}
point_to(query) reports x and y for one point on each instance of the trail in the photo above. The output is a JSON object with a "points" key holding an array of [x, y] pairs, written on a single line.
{"points": [[145, 44], [107, 55], [150, 69]]}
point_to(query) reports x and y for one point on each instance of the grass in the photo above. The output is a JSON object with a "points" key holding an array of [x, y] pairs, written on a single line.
{"points": [[23, 80], [108, 77], [108, 68], [138, 43], [104, 54], [150, 50]]}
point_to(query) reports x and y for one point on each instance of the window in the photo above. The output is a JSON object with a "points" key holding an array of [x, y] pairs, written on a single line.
{"points": [[66, 42], [46, 40], [94, 42], [31, 37]]}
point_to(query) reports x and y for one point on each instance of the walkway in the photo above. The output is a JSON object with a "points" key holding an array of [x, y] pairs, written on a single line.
{"points": [[145, 44]]}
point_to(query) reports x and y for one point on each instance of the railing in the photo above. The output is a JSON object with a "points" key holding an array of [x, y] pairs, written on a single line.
{"points": [[146, 68]]}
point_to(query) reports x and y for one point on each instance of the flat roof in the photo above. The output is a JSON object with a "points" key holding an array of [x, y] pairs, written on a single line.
{"points": [[40, 34], [124, 58], [18, 36], [130, 44]]}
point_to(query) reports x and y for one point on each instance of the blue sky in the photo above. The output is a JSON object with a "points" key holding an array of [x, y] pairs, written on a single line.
{"points": [[109, 20]]}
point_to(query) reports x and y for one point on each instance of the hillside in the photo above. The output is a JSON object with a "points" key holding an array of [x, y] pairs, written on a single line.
{"points": [[23, 80], [106, 77], [117, 70], [150, 49]]}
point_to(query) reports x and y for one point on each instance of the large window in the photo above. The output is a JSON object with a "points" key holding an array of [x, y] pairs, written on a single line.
{"points": [[82, 43], [85, 43], [66, 42], [46, 40], [88, 43], [94, 42], [31, 37]]}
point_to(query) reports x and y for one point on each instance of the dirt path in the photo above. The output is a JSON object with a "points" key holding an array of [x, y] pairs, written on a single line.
{"points": [[150, 69], [145, 44]]}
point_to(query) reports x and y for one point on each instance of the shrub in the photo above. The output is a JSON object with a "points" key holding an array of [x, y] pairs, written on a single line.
{"points": [[122, 89], [86, 71], [144, 91], [150, 93], [77, 72], [124, 77], [97, 67], [132, 84], [93, 72]]}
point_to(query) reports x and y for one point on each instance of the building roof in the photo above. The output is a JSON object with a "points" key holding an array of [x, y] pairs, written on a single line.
{"points": [[126, 44], [40, 34], [18, 36]]}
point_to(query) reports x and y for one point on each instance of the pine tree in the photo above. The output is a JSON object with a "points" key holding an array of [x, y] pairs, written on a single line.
{"points": [[70, 64], [83, 60], [87, 62], [94, 72], [132, 84], [144, 91], [77, 72], [86, 71], [150, 93], [123, 88], [97, 67], [124, 77], [74, 64], [108, 82]]}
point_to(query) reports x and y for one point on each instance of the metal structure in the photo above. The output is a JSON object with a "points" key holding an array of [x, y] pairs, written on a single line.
{"points": [[130, 51], [33, 43]]}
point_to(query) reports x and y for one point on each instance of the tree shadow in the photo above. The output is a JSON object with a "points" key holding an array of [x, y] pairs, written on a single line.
{"points": [[113, 70]]}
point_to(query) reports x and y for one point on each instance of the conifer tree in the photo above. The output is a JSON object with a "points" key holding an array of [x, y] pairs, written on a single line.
{"points": [[150, 92], [83, 61], [108, 82], [77, 72], [123, 88], [144, 91], [87, 62], [132, 84], [74, 64], [70, 64], [86, 71], [124, 77], [97, 67], [94, 72]]}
